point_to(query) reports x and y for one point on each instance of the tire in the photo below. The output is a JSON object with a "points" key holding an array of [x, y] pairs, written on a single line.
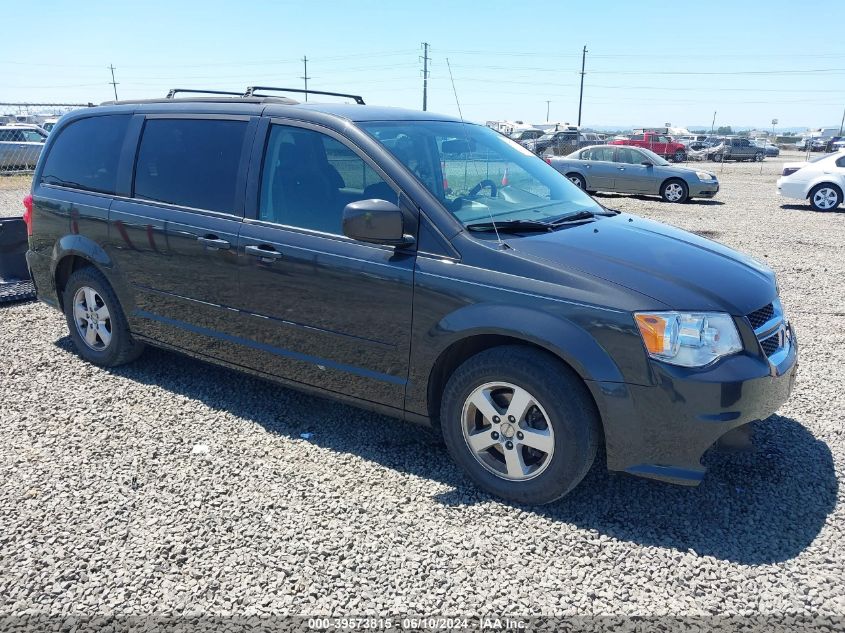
{"points": [[679, 156], [577, 180], [759, 157], [92, 307], [718, 158], [559, 412], [825, 197], [674, 190]]}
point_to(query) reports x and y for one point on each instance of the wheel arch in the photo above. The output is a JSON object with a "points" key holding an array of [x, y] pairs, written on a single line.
{"points": [[669, 179], [822, 179], [73, 252], [567, 342]]}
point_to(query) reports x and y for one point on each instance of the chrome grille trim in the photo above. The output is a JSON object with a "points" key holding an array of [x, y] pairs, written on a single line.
{"points": [[770, 327]]}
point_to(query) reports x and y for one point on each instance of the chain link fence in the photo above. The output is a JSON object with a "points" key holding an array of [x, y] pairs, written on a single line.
{"points": [[24, 128]]}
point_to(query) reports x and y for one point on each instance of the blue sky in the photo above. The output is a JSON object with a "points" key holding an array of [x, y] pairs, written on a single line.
{"points": [[648, 62]]}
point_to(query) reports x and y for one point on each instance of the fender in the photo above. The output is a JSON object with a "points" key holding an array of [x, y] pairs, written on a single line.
{"points": [[88, 249], [822, 178], [562, 337]]}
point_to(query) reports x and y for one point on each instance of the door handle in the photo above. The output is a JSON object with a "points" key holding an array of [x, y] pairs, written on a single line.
{"points": [[621, 168], [214, 243], [263, 252]]}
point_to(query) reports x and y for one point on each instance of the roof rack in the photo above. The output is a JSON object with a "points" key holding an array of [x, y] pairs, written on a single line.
{"points": [[250, 92], [174, 91]]}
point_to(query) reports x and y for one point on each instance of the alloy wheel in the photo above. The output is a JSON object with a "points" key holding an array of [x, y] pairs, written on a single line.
{"points": [[507, 431], [825, 198], [92, 318], [674, 192]]}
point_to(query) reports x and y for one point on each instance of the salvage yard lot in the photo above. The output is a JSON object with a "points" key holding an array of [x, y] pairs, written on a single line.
{"points": [[110, 502]]}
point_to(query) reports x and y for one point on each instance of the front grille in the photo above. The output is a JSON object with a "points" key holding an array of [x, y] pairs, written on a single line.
{"points": [[775, 337], [771, 344], [761, 316]]}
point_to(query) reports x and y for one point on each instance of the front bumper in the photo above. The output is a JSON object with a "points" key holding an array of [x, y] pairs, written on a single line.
{"points": [[703, 189], [662, 431]]}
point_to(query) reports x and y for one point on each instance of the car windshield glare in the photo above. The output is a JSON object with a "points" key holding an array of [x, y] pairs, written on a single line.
{"points": [[478, 174]]}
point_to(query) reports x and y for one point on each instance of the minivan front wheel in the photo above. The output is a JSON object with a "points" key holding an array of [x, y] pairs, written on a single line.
{"points": [[520, 423], [96, 321]]}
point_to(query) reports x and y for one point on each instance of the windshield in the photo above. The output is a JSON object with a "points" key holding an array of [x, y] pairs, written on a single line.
{"points": [[478, 174], [32, 136], [654, 158]]}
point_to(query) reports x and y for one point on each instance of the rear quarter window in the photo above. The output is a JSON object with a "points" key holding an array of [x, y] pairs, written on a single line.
{"points": [[86, 153], [190, 162]]}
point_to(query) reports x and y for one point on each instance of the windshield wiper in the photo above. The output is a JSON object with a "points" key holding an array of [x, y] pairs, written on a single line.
{"points": [[511, 225]]}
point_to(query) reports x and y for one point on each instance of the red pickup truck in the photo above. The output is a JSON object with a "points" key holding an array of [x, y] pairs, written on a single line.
{"points": [[657, 143]]}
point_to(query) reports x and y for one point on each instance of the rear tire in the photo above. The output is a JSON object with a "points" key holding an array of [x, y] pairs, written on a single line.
{"points": [[96, 322], [679, 157], [759, 157], [674, 190], [549, 444], [825, 197], [718, 158]]}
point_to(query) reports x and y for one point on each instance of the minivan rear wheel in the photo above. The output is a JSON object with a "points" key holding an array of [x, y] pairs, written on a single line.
{"points": [[96, 321], [520, 423]]}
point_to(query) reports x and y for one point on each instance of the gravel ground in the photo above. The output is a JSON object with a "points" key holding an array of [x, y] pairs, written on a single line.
{"points": [[170, 486]]}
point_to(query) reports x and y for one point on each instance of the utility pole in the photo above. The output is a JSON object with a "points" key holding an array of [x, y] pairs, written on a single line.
{"points": [[305, 76], [841, 123], [425, 75], [547, 110], [581, 96], [113, 82], [713, 124]]}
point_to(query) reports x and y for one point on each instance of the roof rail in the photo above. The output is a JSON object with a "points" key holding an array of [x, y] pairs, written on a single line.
{"points": [[250, 92], [174, 91]]}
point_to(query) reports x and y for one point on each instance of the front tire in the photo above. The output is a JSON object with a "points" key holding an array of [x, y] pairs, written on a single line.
{"points": [[718, 158], [674, 190], [578, 180], [96, 321], [825, 197], [520, 423]]}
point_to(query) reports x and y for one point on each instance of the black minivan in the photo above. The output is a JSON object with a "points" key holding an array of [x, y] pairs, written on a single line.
{"points": [[413, 264]]}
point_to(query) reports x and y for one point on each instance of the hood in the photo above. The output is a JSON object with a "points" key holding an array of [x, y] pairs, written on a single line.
{"points": [[678, 269]]}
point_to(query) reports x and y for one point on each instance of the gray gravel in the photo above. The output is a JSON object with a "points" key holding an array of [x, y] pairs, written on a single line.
{"points": [[12, 191], [110, 502]]}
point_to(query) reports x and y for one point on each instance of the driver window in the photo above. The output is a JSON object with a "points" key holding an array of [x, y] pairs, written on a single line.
{"points": [[309, 177]]}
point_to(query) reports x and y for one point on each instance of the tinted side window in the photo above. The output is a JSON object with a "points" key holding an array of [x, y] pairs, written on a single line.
{"points": [[86, 154], [840, 162], [628, 156], [309, 177], [190, 162]]}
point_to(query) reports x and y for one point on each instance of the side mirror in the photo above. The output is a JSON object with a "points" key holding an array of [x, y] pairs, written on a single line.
{"points": [[376, 222], [647, 163]]}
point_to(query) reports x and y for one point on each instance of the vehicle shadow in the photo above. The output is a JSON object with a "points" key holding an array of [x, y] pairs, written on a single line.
{"points": [[760, 506], [703, 202]]}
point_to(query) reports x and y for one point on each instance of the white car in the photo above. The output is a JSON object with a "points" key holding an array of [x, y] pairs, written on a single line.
{"points": [[821, 181]]}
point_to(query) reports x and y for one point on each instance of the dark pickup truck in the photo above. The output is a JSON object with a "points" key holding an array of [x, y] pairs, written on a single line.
{"points": [[736, 149]]}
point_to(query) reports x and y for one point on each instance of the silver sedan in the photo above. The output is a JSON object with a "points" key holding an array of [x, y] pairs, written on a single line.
{"points": [[635, 170]]}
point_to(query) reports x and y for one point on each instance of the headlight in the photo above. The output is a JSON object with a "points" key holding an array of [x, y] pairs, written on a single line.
{"points": [[703, 175], [688, 339]]}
